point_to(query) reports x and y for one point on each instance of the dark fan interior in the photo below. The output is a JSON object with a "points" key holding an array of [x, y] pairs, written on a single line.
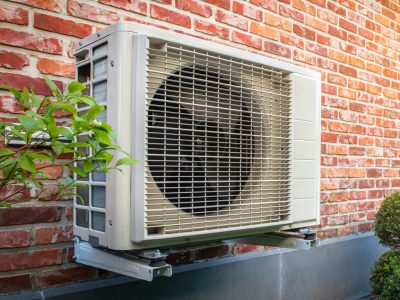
{"points": [[200, 155]]}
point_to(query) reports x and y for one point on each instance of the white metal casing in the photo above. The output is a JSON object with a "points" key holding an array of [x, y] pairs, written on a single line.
{"points": [[126, 85]]}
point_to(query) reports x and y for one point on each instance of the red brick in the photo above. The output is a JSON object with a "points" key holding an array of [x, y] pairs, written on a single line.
{"points": [[211, 29], [264, 31], [30, 41], [247, 40], [316, 23], [29, 215], [221, 3], [61, 26], [245, 248], [9, 105], [291, 13], [88, 12], [304, 6], [349, 229], [327, 233], [347, 25], [21, 81], [374, 173], [328, 137], [170, 16], [277, 49], [304, 57], [194, 7], [231, 19], [270, 5], [366, 227], [27, 260], [137, 6], [348, 71], [13, 15], [336, 9], [52, 5], [291, 40], [278, 22], [17, 283], [305, 32], [74, 274], [56, 67], [337, 32], [12, 60], [247, 11], [15, 238], [53, 235], [210, 252]]}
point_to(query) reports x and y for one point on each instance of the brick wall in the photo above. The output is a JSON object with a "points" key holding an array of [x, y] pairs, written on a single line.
{"points": [[354, 44]]}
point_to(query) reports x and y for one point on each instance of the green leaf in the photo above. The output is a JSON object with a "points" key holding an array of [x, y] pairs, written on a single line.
{"points": [[76, 86], [78, 171], [88, 166], [126, 161], [66, 132], [102, 137], [93, 111], [27, 164], [54, 88], [6, 152], [38, 156], [8, 168], [28, 123]]}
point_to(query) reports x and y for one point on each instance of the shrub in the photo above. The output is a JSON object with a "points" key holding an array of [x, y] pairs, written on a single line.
{"points": [[387, 226], [385, 268], [391, 287]]}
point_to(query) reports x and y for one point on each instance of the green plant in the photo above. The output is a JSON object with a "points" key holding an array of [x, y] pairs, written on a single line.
{"points": [[386, 266], [52, 134], [387, 225], [391, 286]]}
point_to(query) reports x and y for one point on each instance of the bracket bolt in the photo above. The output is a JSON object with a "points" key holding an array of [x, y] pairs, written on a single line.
{"points": [[112, 63]]}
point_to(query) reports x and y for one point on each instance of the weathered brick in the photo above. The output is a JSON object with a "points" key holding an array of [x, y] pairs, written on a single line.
{"points": [[231, 19], [51, 235], [137, 6], [247, 11], [194, 7], [277, 49], [52, 5], [278, 22], [74, 274], [13, 60], [170, 16], [29, 215], [26, 260], [270, 5], [62, 26], [21, 81], [56, 67], [14, 238], [264, 31], [30, 41], [247, 40], [221, 3], [211, 29], [82, 10], [14, 15], [17, 283]]}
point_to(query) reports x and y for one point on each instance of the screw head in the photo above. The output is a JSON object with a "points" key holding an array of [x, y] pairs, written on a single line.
{"points": [[112, 63]]}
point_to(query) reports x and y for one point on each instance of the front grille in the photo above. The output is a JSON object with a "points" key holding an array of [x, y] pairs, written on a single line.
{"points": [[218, 142]]}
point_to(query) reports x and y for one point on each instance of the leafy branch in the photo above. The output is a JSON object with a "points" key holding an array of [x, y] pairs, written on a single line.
{"points": [[45, 137]]}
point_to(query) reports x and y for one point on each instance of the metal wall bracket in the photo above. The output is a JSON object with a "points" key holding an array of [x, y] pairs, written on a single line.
{"points": [[122, 263], [300, 240]]}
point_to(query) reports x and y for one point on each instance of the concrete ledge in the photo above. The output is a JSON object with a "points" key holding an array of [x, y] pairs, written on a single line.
{"points": [[338, 269]]}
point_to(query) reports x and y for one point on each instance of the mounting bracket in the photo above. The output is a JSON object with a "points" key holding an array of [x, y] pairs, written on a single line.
{"points": [[122, 263], [303, 239], [148, 264]]}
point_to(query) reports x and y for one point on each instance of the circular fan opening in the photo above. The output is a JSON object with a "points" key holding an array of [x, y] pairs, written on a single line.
{"points": [[200, 143]]}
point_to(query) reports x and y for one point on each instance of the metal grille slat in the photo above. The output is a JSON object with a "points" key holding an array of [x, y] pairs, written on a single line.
{"points": [[218, 142]]}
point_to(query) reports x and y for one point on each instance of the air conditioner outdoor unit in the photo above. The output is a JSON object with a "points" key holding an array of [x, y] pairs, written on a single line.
{"points": [[228, 141]]}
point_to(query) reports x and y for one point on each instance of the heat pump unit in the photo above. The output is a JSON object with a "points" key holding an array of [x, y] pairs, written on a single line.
{"points": [[228, 141]]}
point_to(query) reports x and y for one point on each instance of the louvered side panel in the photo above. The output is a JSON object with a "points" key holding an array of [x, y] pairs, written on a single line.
{"points": [[306, 149]]}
